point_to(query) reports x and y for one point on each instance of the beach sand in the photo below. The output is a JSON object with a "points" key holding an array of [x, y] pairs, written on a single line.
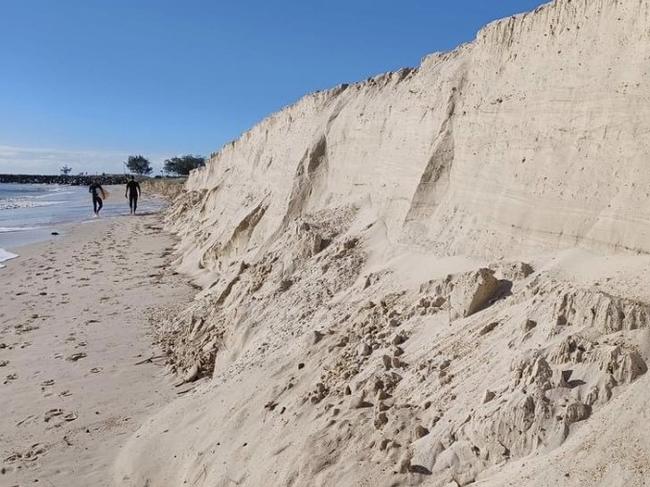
{"points": [[75, 336]]}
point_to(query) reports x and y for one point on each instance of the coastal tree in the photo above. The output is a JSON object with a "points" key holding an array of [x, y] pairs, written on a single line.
{"points": [[65, 170], [182, 165], [139, 165]]}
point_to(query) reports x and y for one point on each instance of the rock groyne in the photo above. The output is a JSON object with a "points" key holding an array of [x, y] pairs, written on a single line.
{"points": [[106, 179]]}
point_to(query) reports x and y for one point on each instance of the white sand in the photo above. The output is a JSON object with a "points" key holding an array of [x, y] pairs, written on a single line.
{"points": [[437, 276], [74, 321], [339, 350]]}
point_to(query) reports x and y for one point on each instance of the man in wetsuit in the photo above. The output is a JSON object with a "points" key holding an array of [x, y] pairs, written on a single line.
{"points": [[98, 193], [132, 192]]}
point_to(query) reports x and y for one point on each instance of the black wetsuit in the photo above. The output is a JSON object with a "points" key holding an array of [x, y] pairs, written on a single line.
{"points": [[133, 191], [96, 190]]}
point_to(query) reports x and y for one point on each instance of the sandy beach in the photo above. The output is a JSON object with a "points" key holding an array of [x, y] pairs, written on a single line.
{"points": [[76, 350], [437, 276]]}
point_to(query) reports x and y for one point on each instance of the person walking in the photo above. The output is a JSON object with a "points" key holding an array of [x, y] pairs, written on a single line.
{"points": [[96, 190], [132, 193]]}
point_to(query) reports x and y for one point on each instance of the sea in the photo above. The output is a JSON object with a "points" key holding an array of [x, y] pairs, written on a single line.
{"points": [[31, 213]]}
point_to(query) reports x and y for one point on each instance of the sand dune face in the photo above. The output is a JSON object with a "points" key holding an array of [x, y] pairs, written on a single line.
{"points": [[436, 276], [532, 136]]}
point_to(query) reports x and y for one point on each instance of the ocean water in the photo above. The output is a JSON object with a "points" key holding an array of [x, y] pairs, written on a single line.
{"points": [[29, 213]]}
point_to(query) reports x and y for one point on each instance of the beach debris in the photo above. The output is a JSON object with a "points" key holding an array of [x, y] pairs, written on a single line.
{"points": [[190, 375], [150, 359]]}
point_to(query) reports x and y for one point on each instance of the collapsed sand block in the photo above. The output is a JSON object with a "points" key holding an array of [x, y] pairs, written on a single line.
{"points": [[595, 308], [464, 294], [488, 396], [457, 463], [576, 412], [473, 292], [513, 271], [532, 370], [426, 451], [623, 364]]}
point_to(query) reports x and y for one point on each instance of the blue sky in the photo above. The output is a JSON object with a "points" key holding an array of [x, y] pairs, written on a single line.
{"points": [[86, 82]]}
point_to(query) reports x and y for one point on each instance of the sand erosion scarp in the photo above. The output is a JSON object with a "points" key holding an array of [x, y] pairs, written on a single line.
{"points": [[435, 276]]}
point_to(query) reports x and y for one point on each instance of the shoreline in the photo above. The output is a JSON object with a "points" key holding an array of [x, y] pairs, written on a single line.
{"points": [[35, 236], [28, 229], [79, 369]]}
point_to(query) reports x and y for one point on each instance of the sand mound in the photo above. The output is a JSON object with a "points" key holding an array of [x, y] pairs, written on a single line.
{"points": [[431, 277]]}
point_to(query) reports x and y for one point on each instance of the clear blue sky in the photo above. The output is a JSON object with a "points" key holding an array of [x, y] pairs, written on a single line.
{"points": [[89, 81]]}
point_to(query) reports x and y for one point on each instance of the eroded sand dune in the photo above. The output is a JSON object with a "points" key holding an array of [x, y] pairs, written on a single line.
{"points": [[437, 276]]}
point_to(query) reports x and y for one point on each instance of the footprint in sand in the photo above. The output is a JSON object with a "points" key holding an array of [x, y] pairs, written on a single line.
{"points": [[70, 416], [76, 356], [29, 455], [27, 420], [10, 378], [45, 385], [20, 328], [52, 413]]}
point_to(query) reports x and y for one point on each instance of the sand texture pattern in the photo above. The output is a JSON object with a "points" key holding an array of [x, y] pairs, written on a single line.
{"points": [[75, 339], [437, 276]]}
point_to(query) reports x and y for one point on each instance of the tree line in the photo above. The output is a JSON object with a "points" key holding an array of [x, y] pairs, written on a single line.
{"points": [[180, 165], [138, 164]]}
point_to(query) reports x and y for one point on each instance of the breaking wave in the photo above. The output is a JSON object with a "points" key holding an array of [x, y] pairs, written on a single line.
{"points": [[4, 256], [15, 203]]}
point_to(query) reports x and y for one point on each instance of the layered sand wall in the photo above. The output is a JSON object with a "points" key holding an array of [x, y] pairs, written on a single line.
{"points": [[436, 276], [532, 137]]}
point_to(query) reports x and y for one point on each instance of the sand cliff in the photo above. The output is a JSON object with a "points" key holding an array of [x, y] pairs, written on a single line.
{"points": [[436, 276]]}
